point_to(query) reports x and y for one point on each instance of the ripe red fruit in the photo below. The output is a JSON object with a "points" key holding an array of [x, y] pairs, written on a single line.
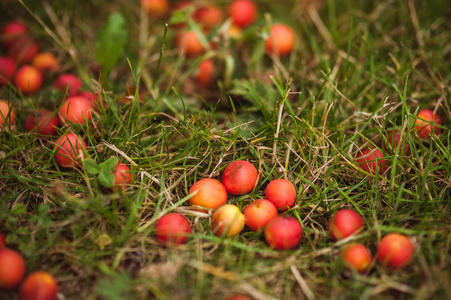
{"points": [[205, 73], [281, 40], [344, 223], [211, 193], [122, 177], [94, 99], [227, 221], [395, 251], [242, 12], [371, 161], [68, 82], [67, 150], [12, 268], [28, 79], [283, 233], [13, 31], [7, 67], [189, 43], [2, 241], [259, 213], [7, 113], [208, 16], [39, 286], [46, 62], [76, 109], [238, 297], [423, 124], [173, 229], [23, 50], [357, 257], [240, 177], [155, 8], [394, 140], [42, 121], [281, 193]]}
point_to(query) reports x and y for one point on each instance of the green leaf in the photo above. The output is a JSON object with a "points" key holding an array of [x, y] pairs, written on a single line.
{"points": [[181, 15], [111, 42], [106, 179], [91, 166], [109, 164]]}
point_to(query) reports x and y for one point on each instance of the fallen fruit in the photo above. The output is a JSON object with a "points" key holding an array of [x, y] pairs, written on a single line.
{"points": [[122, 177], [28, 79], [12, 268], [395, 251], [23, 50], [95, 100], [242, 12], [259, 213], [189, 43], [211, 193], [282, 193], [372, 161], [39, 286], [227, 221], [69, 83], [394, 142], [426, 123], [281, 40], [344, 223], [46, 62], [76, 109], [208, 16], [12, 32], [68, 148], [172, 229], [205, 73], [7, 67], [155, 8], [240, 177], [42, 121], [7, 113], [357, 257], [283, 233]]}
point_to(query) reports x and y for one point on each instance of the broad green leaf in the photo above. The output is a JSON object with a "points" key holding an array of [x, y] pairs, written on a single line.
{"points": [[91, 166], [106, 179], [109, 164], [111, 42]]}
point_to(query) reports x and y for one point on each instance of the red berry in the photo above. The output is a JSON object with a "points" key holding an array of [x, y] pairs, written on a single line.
{"points": [[281, 193], [39, 286], [67, 150], [240, 177], [243, 12], [344, 223], [12, 268], [423, 124], [371, 161], [281, 40], [357, 257], [12, 32], [173, 229], [395, 251], [42, 121], [7, 67], [28, 79], [122, 177], [283, 233], [68, 82], [76, 109]]}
